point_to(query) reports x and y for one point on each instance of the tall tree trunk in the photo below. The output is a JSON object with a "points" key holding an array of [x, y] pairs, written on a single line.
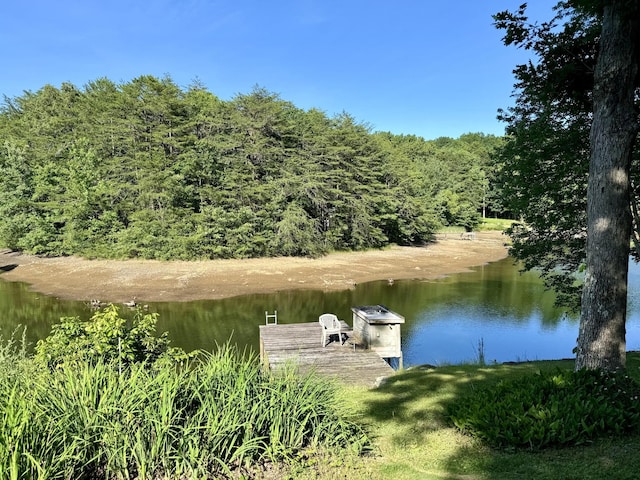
{"points": [[601, 341]]}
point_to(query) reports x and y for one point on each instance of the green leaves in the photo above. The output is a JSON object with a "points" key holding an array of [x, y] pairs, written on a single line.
{"points": [[221, 417], [545, 159], [550, 409], [105, 337], [145, 169]]}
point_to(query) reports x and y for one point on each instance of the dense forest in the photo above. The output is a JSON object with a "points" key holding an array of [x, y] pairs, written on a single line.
{"points": [[148, 169]]}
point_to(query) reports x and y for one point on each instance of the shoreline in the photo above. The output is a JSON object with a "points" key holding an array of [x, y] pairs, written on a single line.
{"points": [[117, 281]]}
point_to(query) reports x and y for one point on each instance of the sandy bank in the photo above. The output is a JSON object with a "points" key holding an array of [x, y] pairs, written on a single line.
{"points": [[153, 281]]}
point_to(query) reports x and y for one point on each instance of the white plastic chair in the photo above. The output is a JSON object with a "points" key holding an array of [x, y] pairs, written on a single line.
{"points": [[330, 326]]}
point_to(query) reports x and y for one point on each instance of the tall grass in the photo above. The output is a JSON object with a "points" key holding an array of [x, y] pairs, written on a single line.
{"points": [[220, 416]]}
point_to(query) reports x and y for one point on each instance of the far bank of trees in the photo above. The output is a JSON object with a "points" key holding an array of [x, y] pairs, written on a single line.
{"points": [[147, 169]]}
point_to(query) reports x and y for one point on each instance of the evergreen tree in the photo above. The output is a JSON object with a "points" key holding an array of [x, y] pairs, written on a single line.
{"points": [[145, 169]]}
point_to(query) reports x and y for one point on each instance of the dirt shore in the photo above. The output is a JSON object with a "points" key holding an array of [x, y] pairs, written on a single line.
{"points": [[76, 278]]}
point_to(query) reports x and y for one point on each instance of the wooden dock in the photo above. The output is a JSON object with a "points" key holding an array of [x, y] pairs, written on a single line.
{"points": [[301, 343]]}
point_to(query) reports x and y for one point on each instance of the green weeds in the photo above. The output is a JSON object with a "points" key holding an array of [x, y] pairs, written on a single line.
{"points": [[219, 416]]}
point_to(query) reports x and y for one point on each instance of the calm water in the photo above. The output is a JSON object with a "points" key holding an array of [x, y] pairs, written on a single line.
{"points": [[446, 319]]}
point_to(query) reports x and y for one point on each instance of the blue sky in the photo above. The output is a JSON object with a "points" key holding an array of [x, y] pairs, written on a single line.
{"points": [[424, 67]]}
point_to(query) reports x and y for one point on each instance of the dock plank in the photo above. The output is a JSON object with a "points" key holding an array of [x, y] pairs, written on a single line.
{"points": [[301, 343]]}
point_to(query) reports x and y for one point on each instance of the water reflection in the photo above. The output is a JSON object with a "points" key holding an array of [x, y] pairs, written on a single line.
{"points": [[445, 319], [20, 307]]}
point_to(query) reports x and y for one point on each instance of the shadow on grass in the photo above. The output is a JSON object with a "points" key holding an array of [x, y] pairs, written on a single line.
{"points": [[409, 414], [415, 400]]}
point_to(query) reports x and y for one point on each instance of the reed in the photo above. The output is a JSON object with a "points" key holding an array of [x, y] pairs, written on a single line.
{"points": [[220, 415]]}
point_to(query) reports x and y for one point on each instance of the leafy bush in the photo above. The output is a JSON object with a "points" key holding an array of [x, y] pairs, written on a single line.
{"points": [[106, 337], [546, 409]]}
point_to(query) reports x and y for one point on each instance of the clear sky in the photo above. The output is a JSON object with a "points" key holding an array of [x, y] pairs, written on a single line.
{"points": [[425, 67]]}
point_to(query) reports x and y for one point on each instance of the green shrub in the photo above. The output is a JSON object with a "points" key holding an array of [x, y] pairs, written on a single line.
{"points": [[550, 409], [106, 337]]}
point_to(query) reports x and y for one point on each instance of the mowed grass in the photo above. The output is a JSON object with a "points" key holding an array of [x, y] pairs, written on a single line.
{"points": [[486, 224], [496, 224], [412, 439]]}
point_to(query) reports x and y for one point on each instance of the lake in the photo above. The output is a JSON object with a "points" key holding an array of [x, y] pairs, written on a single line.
{"points": [[494, 309]]}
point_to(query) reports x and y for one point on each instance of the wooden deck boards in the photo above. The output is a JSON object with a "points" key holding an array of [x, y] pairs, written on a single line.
{"points": [[301, 343]]}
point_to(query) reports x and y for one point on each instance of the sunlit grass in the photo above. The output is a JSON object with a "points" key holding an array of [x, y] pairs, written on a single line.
{"points": [[486, 224], [496, 224], [412, 439], [226, 418]]}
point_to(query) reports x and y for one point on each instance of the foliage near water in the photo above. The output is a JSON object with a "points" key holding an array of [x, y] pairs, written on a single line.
{"points": [[216, 416], [550, 409], [107, 337], [224, 417], [146, 169]]}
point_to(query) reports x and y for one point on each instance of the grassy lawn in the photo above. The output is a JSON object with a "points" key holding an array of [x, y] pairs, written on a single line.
{"points": [[499, 224], [486, 224], [413, 441]]}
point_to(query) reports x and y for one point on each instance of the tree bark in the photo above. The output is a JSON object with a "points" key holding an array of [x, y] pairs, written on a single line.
{"points": [[601, 340]]}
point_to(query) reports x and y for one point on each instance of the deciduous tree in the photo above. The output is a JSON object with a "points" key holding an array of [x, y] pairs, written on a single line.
{"points": [[575, 124], [601, 342]]}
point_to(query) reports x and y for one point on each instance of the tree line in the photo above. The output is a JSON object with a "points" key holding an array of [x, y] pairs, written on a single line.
{"points": [[151, 170]]}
